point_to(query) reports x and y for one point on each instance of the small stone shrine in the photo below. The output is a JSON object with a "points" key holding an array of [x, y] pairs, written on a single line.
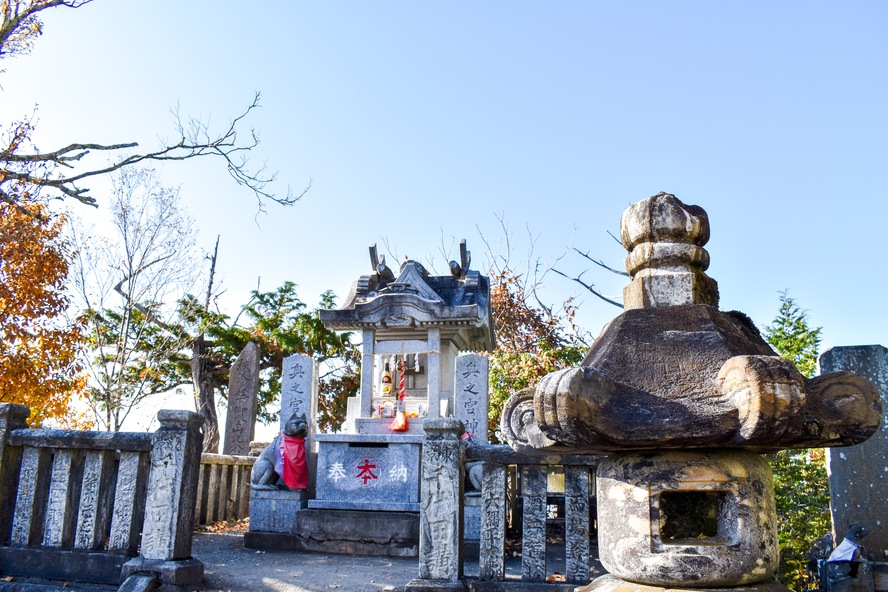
{"points": [[413, 327], [682, 397]]}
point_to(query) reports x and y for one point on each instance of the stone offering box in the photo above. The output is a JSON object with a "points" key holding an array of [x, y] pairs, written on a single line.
{"points": [[368, 472]]}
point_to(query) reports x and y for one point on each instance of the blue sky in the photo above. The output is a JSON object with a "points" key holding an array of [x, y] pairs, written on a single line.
{"points": [[421, 123]]}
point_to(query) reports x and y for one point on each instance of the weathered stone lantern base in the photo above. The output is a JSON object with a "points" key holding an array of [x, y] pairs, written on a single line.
{"points": [[610, 583], [686, 520]]}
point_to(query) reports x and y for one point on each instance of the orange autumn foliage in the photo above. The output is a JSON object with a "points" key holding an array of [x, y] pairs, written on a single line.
{"points": [[38, 344]]}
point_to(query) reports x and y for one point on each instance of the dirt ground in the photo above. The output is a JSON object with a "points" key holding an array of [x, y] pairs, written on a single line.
{"points": [[230, 567]]}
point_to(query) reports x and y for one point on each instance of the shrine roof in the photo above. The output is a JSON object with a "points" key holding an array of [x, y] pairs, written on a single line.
{"points": [[416, 300]]}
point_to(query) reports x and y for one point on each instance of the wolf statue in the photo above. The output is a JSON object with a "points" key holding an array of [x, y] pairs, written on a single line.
{"points": [[282, 464]]}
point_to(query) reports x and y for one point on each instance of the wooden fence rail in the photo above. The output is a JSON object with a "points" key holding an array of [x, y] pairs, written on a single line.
{"points": [[223, 488]]}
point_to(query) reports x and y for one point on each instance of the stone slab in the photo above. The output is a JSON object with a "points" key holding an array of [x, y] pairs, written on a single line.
{"points": [[95, 567], [274, 510], [609, 583], [243, 393], [139, 583], [371, 438], [298, 378], [880, 576], [858, 482], [419, 585], [517, 586], [380, 425], [393, 534], [355, 472], [370, 506], [280, 541], [184, 573]]}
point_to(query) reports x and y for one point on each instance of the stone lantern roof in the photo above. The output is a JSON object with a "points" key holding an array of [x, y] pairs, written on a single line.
{"points": [[398, 307], [673, 371]]}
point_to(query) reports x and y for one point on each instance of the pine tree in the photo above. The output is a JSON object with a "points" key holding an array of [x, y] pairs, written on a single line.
{"points": [[800, 481]]}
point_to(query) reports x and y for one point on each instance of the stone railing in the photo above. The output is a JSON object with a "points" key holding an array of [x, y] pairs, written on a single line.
{"points": [[223, 488], [99, 507], [440, 546]]}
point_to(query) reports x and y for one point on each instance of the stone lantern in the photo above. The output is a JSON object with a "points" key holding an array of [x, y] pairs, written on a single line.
{"points": [[682, 398]]}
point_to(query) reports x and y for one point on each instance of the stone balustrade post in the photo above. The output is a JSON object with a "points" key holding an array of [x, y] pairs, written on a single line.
{"points": [[440, 517], [165, 550], [12, 417]]}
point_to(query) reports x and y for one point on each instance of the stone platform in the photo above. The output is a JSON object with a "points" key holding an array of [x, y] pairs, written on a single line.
{"points": [[348, 532]]}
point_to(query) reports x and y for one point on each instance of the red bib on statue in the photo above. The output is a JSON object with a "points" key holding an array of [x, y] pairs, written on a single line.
{"points": [[295, 473]]}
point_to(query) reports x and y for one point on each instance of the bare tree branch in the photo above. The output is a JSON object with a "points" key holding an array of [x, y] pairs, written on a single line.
{"points": [[589, 287], [23, 172], [601, 264]]}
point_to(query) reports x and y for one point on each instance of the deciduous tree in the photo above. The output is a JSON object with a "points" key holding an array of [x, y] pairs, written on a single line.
{"points": [[129, 284], [38, 342], [27, 173], [531, 340]]}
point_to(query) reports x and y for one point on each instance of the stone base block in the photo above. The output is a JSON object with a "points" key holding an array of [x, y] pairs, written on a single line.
{"points": [[178, 575], [391, 534], [609, 583], [471, 525], [140, 583], [274, 510], [318, 504], [473, 585], [434, 586], [880, 576]]}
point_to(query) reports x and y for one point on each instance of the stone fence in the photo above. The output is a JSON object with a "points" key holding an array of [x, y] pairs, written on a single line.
{"points": [[99, 507], [441, 546], [223, 488]]}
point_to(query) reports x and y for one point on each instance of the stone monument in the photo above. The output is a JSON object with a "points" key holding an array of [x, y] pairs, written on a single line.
{"points": [[243, 393], [858, 475], [682, 397]]}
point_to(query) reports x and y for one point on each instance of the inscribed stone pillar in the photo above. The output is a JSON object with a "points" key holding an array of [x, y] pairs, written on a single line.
{"points": [[471, 394], [299, 395], [441, 492], [243, 393], [172, 486], [858, 475], [298, 389]]}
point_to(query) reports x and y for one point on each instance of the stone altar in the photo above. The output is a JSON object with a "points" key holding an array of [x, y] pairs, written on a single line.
{"points": [[682, 397]]}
